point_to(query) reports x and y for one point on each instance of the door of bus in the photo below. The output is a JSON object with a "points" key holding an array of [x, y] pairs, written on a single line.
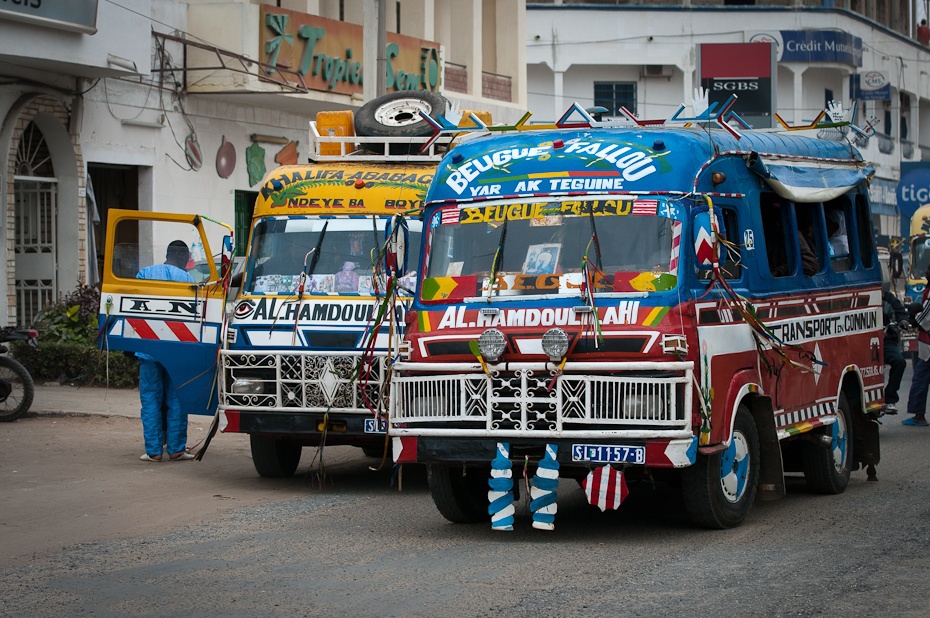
{"points": [[177, 323]]}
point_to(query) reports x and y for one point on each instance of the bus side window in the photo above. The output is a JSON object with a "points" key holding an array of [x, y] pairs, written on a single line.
{"points": [[773, 230], [864, 231], [837, 233], [809, 242]]}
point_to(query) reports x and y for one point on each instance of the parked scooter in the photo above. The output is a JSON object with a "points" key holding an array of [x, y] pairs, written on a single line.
{"points": [[16, 386]]}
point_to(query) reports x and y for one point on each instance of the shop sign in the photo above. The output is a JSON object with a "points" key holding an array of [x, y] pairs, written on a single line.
{"points": [[327, 54], [813, 46], [73, 15], [870, 86], [743, 69]]}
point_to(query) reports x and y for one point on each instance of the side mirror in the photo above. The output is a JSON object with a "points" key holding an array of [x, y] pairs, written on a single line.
{"points": [[706, 248], [397, 234]]}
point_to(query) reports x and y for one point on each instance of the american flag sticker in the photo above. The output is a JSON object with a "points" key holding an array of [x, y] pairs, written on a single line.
{"points": [[645, 207], [450, 216]]}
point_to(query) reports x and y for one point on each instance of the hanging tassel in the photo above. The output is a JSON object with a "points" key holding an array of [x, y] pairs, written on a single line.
{"points": [[543, 494], [500, 496]]}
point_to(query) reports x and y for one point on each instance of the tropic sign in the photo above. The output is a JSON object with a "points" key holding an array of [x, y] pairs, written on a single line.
{"points": [[326, 54]]}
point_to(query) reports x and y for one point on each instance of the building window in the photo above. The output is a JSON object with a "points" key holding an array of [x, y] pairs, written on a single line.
{"points": [[613, 95], [827, 97]]}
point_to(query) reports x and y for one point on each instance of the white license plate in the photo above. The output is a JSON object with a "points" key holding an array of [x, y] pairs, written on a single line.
{"points": [[375, 425], [600, 453]]}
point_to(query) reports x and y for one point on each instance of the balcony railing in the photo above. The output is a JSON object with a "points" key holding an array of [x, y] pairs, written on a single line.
{"points": [[885, 143]]}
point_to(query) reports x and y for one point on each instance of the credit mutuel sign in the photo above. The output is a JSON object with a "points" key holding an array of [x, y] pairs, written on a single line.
{"points": [[327, 54]]}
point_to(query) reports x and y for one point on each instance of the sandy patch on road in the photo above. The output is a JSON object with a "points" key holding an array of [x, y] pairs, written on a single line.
{"points": [[77, 479]]}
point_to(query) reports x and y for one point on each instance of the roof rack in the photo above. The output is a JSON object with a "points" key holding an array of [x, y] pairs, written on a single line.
{"points": [[358, 148]]}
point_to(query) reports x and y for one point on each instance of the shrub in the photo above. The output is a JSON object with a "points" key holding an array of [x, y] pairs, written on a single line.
{"points": [[73, 319], [78, 363], [67, 350]]}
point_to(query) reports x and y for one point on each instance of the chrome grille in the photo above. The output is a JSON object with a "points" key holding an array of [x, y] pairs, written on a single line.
{"points": [[529, 400], [302, 381]]}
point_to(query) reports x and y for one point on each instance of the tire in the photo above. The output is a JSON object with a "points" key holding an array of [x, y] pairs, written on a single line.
{"points": [[719, 489], [461, 497], [274, 458], [16, 390], [397, 114], [826, 470]]}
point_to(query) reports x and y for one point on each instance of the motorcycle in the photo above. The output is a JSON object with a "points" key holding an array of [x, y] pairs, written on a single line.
{"points": [[16, 386]]}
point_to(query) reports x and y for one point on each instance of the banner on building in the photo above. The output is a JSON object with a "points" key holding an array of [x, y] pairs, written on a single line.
{"points": [[743, 69], [74, 15], [914, 187], [869, 86], [326, 54], [813, 46]]}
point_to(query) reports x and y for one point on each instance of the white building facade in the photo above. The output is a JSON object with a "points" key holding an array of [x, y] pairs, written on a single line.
{"points": [[647, 58], [183, 106]]}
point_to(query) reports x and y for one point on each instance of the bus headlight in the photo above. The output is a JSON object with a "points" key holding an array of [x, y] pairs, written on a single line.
{"points": [[555, 344], [244, 386], [491, 344]]}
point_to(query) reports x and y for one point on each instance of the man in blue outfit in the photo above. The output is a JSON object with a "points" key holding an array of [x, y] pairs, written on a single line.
{"points": [[155, 385]]}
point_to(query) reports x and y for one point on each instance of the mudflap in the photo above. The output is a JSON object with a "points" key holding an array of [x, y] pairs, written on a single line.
{"points": [[866, 444], [771, 471]]}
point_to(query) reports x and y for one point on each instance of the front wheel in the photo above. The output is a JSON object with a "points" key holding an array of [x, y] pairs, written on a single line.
{"points": [[826, 468], [461, 495], [274, 457], [16, 389], [719, 489]]}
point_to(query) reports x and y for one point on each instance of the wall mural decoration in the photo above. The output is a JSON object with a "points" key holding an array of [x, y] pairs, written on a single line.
{"points": [[225, 159], [255, 162], [192, 152], [287, 155]]}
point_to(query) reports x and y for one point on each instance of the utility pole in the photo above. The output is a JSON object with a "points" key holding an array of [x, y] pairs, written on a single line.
{"points": [[374, 51]]}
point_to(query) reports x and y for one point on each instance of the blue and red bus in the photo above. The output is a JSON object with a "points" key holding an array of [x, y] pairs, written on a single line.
{"points": [[614, 304]]}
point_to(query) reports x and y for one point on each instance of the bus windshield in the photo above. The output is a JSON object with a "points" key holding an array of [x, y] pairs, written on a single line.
{"points": [[540, 247], [347, 251]]}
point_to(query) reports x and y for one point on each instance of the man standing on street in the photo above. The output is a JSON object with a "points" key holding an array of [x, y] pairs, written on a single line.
{"points": [[155, 385], [895, 318]]}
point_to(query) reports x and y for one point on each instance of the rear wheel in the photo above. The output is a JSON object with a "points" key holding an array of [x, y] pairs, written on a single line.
{"points": [[461, 495], [274, 457], [826, 468], [719, 489], [16, 389]]}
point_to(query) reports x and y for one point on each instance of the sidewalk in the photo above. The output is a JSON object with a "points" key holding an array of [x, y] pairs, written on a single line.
{"points": [[52, 397]]}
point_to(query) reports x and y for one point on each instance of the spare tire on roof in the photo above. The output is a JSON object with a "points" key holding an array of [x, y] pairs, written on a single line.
{"points": [[397, 114]]}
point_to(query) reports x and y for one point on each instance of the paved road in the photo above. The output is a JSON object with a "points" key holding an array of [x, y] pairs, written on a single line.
{"points": [[85, 528]]}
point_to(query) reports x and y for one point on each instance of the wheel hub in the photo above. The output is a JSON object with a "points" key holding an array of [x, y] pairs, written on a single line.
{"points": [[402, 112]]}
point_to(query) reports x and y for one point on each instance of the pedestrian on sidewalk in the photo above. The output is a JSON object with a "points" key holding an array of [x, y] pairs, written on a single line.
{"points": [[894, 317], [920, 383], [156, 389]]}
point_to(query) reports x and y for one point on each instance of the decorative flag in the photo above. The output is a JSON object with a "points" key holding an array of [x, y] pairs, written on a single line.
{"points": [[605, 487], [645, 207], [450, 216]]}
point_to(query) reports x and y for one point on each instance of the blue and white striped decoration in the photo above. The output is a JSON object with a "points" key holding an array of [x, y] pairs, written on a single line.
{"points": [[500, 495], [543, 492]]}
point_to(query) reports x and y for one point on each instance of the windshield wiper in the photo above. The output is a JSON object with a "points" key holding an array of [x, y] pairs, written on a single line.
{"points": [[594, 239], [498, 256], [316, 252]]}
